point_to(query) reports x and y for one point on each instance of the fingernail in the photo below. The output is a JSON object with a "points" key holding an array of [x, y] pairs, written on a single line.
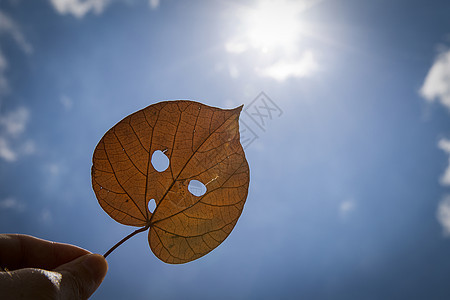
{"points": [[96, 265]]}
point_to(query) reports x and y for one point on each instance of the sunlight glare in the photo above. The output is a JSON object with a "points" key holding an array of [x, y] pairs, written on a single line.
{"points": [[303, 66], [273, 24], [271, 32]]}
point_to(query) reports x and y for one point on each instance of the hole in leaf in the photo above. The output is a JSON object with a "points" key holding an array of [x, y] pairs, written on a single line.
{"points": [[151, 205], [196, 188], [160, 161]]}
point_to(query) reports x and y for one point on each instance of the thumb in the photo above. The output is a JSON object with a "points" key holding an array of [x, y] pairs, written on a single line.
{"points": [[82, 276]]}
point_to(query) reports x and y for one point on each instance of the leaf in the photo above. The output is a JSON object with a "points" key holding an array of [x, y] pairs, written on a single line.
{"points": [[202, 143]]}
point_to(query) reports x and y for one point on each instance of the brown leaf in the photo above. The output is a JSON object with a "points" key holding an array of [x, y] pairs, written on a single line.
{"points": [[202, 143]]}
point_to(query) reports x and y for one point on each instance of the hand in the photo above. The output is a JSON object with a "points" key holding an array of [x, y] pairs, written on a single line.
{"points": [[39, 269]]}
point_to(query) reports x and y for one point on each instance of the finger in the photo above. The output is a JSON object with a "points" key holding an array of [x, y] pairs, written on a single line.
{"points": [[23, 251], [82, 276], [29, 283], [77, 279]]}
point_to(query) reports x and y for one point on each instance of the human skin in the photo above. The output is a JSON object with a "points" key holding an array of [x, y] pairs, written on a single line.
{"points": [[33, 268]]}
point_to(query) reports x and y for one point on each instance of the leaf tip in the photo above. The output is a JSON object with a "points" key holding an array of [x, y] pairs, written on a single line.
{"points": [[239, 108]]}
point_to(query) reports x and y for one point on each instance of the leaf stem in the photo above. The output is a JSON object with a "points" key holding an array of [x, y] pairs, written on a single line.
{"points": [[125, 239]]}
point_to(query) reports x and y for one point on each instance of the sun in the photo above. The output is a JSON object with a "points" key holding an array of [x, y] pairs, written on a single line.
{"points": [[271, 25], [275, 39]]}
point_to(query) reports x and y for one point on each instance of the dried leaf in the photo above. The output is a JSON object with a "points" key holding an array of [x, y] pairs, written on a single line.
{"points": [[202, 144]]}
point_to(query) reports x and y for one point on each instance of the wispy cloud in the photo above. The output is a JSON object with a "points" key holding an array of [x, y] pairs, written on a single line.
{"points": [[4, 85], [12, 204], [66, 102], [235, 47], [46, 216], [346, 207], [443, 215], [154, 4], [15, 122], [12, 127], [79, 8], [300, 67], [444, 144], [6, 152], [8, 26], [437, 82]]}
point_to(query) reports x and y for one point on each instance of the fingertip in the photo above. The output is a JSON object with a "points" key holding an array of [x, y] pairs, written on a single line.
{"points": [[97, 266], [82, 276]]}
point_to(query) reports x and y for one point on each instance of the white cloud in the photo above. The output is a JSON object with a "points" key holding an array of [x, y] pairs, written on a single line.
{"points": [[437, 82], [154, 4], [8, 26], [15, 122], [300, 67], [79, 8], [12, 127], [235, 47], [6, 152], [443, 215], [12, 204], [444, 144]]}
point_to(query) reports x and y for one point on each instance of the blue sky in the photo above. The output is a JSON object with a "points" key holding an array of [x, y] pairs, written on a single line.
{"points": [[350, 181]]}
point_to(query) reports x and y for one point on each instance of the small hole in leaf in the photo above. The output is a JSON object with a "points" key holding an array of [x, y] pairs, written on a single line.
{"points": [[196, 188], [160, 161], [151, 205]]}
